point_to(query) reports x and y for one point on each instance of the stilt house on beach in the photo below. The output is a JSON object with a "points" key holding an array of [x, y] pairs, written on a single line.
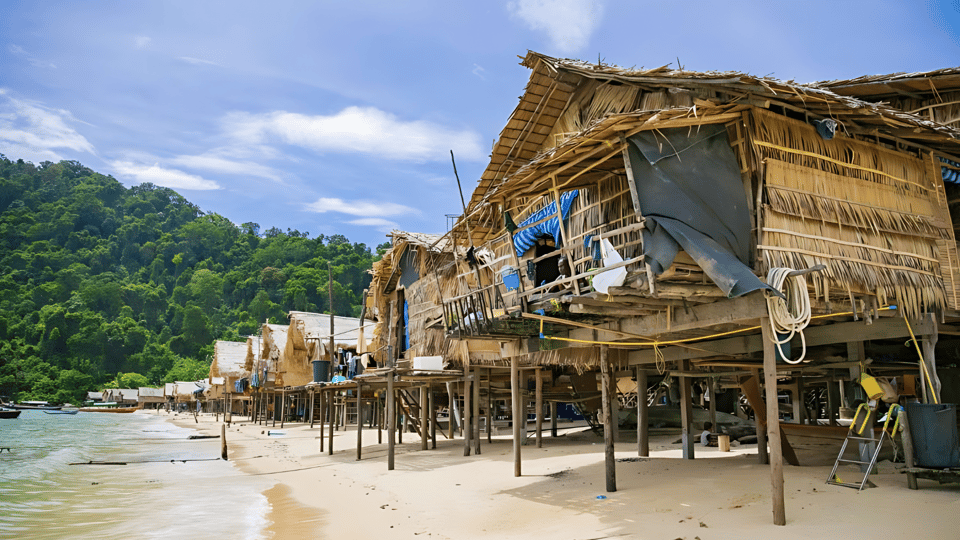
{"points": [[634, 222], [226, 370]]}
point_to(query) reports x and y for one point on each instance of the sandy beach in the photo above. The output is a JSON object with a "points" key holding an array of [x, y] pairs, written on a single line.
{"points": [[442, 494]]}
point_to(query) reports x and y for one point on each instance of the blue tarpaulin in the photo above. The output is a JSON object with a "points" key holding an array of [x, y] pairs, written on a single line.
{"points": [[950, 175], [526, 238]]}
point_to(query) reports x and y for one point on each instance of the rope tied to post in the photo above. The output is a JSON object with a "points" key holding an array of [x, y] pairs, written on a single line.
{"points": [[789, 314]]}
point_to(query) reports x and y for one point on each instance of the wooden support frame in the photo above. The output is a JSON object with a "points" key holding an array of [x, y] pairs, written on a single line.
{"points": [[609, 424], [773, 423], [643, 420], [686, 412], [517, 413]]}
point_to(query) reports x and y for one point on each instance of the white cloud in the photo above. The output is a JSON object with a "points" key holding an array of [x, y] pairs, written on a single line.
{"points": [[155, 174], [219, 164], [198, 61], [365, 130], [381, 224], [360, 207], [479, 72], [568, 23], [142, 42], [34, 61], [35, 133]]}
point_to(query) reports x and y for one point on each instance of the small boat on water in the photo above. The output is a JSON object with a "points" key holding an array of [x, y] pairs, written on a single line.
{"points": [[35, 406], [9, 413], [64, 411]]}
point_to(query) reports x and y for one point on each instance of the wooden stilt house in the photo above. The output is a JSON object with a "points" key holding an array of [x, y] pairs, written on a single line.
{"points": [[636, 222]]}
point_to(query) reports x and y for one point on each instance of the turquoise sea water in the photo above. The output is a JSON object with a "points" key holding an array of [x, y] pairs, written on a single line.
{"points": [[42, 496]]}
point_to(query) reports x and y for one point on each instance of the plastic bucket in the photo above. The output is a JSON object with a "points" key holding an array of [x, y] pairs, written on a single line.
{"points": [[321, 371]]}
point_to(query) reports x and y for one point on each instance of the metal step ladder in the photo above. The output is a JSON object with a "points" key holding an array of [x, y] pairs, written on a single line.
{"points": [[856, 433]]}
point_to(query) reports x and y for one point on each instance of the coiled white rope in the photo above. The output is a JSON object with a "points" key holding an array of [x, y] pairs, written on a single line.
{"points": [[788, 316]]}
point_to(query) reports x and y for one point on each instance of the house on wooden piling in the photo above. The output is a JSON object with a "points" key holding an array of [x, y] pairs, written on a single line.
{"points": [[633, 222], [226, 370], [150, 398]]}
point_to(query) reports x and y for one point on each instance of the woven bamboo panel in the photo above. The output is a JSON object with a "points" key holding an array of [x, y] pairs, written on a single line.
{"points": [[949, 260]]}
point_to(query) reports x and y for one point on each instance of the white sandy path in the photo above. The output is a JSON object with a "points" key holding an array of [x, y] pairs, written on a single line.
{"points": [[442, 494]]}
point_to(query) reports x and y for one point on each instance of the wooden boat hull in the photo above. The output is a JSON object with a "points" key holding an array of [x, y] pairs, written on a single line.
{"points": [[66, 411], [8, 414], [106, 410], [36, 407]]}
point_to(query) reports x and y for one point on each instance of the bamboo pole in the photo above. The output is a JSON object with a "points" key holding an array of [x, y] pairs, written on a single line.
{"points": [[515, 394], [610, 461], [643, 429], [539, 400], [773, 423]]}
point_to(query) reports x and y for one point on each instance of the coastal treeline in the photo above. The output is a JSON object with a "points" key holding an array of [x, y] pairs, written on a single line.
{"points": [[103, 285]]}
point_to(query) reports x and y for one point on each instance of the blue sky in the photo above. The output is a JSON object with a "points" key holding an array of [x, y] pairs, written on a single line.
{"points": [[338, 117]]}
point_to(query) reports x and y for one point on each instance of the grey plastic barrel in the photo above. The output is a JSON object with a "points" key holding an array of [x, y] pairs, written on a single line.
{"points": [[934, 431], [321, 371]]}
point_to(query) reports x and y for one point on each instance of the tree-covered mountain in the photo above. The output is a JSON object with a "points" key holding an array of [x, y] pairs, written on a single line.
{"points": [[98, 281]]}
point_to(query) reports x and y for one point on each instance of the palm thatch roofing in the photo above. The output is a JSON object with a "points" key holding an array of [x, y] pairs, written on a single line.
{"points": [[550, 132], [229, 359]]}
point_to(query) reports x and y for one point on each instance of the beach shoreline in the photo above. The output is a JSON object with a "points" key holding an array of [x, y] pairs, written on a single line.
{"points": [[442, 494]]}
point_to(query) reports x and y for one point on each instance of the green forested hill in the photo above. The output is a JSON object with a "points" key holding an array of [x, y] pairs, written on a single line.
{"points": [[98, 281]]}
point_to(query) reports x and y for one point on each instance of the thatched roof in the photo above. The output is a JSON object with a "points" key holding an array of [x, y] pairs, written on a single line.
{"points": [[570, 100], [229, 359], [880, 87], [307, 327]]}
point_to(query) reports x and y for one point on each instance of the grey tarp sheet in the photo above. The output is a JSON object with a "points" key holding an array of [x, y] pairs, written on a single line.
{"points": [[692, 196]]}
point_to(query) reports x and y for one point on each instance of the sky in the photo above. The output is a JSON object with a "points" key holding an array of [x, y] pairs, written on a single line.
{"points": [[334, 117]]}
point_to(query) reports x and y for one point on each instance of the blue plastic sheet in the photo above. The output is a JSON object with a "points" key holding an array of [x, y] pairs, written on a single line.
{"points": [[526, 238]]}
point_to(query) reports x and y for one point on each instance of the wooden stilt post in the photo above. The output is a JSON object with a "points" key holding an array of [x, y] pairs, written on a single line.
{"points": [[760, 419], [553, 418], [223, 441], [831, 403], [907, 440], [539, 401], [517, 412], [283, 408], [323, 417], [424, 419], [451, 416], [467, 411], [401, 419], [686, 411], [643, 430], [432, 398], [391, 419], [773, 423], [489, 407], [476, 411], [331, 400], [610, 461], [929, 343], [312, 395], [379, 421], [359, 419], [712, 385]]}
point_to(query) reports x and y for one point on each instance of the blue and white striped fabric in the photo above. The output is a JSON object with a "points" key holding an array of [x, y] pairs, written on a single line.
{"points": [[950, 175], [526, 238]]}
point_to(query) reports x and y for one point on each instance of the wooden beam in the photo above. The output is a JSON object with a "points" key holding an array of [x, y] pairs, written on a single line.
{"points": [[884, 328], [359, 420], [745, 309]]}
